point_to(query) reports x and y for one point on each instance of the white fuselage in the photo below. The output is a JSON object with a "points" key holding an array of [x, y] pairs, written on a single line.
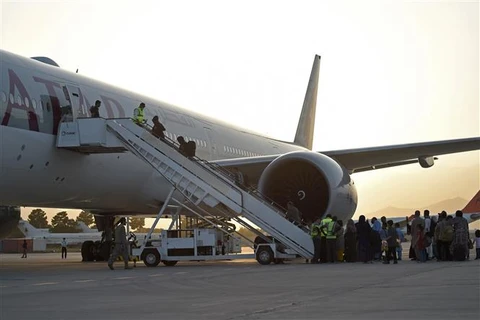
{"points": [[33, 172]]}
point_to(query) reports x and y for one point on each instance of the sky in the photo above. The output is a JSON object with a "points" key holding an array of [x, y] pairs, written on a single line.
{"points": [[391, 72]]}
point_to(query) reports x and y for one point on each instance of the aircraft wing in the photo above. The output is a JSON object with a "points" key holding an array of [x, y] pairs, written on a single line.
{"points": [[365, 159]]}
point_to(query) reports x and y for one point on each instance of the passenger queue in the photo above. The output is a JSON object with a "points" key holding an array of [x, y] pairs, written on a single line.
{"points": [[447, 239]]}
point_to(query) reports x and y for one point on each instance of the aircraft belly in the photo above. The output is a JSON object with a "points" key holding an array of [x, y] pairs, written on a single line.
{"points": [[36, 173]]}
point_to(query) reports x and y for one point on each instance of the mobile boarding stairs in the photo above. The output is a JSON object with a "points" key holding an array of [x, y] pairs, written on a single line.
{"points": [[205, 188]]}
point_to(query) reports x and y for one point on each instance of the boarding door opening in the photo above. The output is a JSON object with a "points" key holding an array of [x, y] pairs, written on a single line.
{"points": [[73, 109]]}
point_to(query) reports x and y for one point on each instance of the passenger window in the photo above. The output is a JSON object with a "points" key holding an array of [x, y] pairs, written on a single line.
{"points": [[26, 102]]}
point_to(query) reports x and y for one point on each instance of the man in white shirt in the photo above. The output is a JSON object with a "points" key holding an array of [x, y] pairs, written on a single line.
{"points": [[64, 249]]}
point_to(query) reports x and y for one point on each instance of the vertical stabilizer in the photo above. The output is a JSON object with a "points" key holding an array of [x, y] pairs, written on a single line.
{"points": [[474, 205], [306, 124], [28, 230]]}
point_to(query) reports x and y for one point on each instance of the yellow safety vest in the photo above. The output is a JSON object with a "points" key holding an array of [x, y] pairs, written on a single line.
{"points": [[138, 118], [330, 230], [315, 231], [325, 223]]}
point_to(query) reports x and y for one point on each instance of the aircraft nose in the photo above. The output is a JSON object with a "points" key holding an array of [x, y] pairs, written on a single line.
{"points": [[9, 217]]}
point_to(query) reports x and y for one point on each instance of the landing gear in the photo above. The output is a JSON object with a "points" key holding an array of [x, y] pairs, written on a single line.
{"points": [[99, 250], [88, 251]]}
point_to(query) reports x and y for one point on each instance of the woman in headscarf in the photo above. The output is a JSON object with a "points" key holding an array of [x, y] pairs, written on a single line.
{"points": [[363, 236], [350, 242]]}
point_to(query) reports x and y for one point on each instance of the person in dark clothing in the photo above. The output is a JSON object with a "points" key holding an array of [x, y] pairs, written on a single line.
{"points": [[158, 128], [94, 112], [24, 246], [364, 231], [350, 242], [191, 149], [182, 145], [392, 243]]}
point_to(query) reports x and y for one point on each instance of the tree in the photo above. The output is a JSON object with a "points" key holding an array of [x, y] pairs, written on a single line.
{"points": [[61, 223], [137, 223], [38, 219], [86, 217]]}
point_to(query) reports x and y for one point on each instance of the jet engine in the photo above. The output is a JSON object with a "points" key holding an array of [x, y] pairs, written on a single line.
{"points": [[315, 183]]}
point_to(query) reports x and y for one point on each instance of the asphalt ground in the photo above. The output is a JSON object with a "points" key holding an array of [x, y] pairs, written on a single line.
{"points": [[43, 286]]}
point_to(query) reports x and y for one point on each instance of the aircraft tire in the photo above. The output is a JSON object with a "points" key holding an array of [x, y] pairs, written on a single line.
{"points": [[103, 251], [88, 251]]}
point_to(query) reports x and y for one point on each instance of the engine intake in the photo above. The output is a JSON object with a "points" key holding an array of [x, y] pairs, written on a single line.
{"points": [[315, 183]]}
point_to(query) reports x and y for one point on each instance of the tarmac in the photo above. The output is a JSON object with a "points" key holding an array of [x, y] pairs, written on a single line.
{"points": [[43, 286]]}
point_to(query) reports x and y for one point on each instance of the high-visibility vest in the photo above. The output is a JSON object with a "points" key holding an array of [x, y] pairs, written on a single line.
{"points": [[324, 224], [331, 230], [315, 231], [139, 115]]}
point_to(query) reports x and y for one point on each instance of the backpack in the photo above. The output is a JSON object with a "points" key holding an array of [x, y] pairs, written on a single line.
{"points": [[447, 233]]}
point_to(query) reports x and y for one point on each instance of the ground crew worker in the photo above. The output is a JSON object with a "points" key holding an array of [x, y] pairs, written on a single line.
{"points": [[331, 238], [121, 245], [64, 249], [323, 239], [315, 234], [139, 115]]}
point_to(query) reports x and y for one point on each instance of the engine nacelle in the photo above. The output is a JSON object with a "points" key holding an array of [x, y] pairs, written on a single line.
{"points": [[315, 183]]}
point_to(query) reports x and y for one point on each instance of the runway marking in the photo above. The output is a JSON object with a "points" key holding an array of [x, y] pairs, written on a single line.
{"points": [[180, 272], [123, 278], [156, 275], [45, 283], [81, 281], [3, 286]]}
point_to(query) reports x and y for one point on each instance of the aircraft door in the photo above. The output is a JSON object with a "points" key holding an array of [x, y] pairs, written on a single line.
{"points": [[73, 110], [211, 145]]}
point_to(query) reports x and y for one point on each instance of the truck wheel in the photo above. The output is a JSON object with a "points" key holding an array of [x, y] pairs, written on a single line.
{"points": [[88, 248], [264, 255], [151, 257], [169, 263]]}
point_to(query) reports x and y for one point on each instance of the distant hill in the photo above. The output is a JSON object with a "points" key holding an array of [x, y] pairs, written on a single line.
{"points": [[449, 205]]}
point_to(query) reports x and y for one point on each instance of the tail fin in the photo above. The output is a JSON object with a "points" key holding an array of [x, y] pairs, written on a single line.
{"points": [[474, 205], [27, 229], [306, 124], [85, 229]]}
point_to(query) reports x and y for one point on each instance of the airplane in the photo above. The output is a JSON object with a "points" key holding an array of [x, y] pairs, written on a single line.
{"points": [[36, 92], [31, 232], [88, 234]]}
